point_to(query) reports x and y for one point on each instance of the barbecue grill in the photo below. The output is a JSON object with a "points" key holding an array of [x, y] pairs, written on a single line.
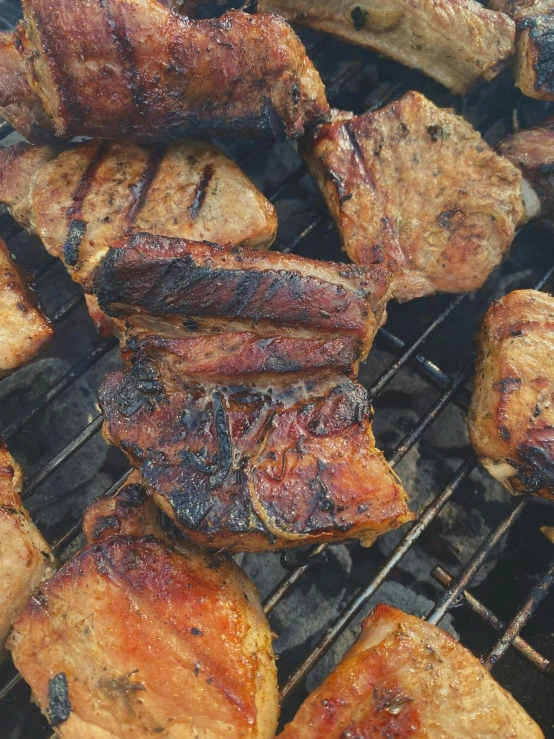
{"points": [[474, 555]]}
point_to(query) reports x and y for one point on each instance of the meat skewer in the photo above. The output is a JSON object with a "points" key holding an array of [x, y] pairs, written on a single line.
{"points": [[24, 331], [456, 42], [25, 557], [81, 199], [141, 634], [404, 677], [415, 188], [511, 417], [135, 70]]}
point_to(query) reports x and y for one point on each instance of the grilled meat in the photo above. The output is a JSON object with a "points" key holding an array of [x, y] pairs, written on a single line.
{"points": [[406, 678], [137, 636], [533, 70], [205, 287], [532, 150], [84, 198], [414, 187], [135, 70], [511, 417], [25, 557], [454, 41], [24, 331]]}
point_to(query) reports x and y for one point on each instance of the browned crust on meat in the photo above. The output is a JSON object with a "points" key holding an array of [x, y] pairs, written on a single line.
{"points": [[511, 417]]}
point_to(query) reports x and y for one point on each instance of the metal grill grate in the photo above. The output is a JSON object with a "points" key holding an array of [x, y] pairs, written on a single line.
{"points": [[358, 79]]}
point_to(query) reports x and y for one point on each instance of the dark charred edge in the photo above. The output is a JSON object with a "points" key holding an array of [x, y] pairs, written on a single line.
{"points": [[536, 473], [59, 705], [77, 230], [87, 178], [126, 54], [541, 35], [201, 191], [107, 523], [141, 189]]}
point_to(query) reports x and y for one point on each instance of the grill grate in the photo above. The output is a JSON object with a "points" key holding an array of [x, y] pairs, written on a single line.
{"points": [[348, 73]]}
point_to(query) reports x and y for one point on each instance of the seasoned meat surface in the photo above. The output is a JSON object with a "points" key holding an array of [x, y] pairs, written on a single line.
{"points": [[135, 70], [25, 557], [24, 329], [406, 678], [135, 637], [511, 417], [414, 187], [257, 463], [533, 68], [84, 198], [221, 288], [454, 41], [532, 150]]}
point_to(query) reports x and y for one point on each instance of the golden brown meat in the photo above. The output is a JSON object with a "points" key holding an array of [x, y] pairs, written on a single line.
{"points": [[204, 288], [137, 637], [511, 418], [414, 187], [25, 557], [454, 41], [24, 329], [406, 678], [532, 150], [136, 70], [533, 69]]}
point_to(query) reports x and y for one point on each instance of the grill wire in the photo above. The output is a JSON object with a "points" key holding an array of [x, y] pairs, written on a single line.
{"points": [[453, 390]]}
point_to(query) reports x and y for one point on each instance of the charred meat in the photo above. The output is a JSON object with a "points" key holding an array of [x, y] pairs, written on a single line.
{"points": [[406, 678], [138, 636], [135, 70], [24, 330], [454, 41], [415, 188], [511, 418], [25, 557]]}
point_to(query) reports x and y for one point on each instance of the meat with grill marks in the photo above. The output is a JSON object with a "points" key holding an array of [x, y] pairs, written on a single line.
{"points": [[135, 70], [141, 635], [25, 557], [406, 678], [532, 150], [24, 331], [511, 417], [415, 188], [454, 41], [533, 67]]}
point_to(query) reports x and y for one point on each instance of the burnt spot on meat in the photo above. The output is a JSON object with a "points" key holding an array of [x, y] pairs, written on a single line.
{"points": [[507, 385], [108, 523], [541, 35], [139, 390], [59, 705], [86, 180], [358, 17], [201, 190], [77, 230], [536, 474], [141, 188]]}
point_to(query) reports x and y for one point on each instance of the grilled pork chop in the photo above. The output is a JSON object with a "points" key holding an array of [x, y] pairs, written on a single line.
{"points": [[454, 41], [414, 187], [135, 70], [534, 21], [532, 150], [24, 329], [139, 636], [406, 678], [511, 417], [25, 557]]}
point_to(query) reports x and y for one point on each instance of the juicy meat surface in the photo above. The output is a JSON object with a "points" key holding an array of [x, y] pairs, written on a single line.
{"points": [[25, 557], [269, 463], [93, 193], [532, 151], [225, 289], [415, 188], [454, 41], [406, 678], [136, 70], [534, 67], [135, 637], [511, 417], [24, 329]]}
